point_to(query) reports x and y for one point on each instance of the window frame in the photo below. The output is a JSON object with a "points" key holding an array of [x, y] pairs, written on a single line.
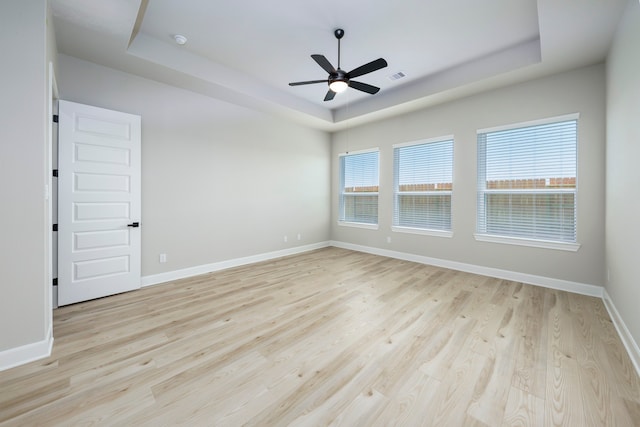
{"points": [[396, 191], [341, 192], [481, 191]]}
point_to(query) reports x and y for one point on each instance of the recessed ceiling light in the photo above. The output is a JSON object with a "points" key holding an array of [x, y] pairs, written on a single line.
{"points": [[180, 39]]}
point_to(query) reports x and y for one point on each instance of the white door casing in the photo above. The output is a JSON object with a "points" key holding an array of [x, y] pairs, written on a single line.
{"points": [[99, 202]]}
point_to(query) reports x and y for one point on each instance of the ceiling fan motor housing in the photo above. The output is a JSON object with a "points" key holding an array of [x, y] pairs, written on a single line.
{"points": [[339, 75]]}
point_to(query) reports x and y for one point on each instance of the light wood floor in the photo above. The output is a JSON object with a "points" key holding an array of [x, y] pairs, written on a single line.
{"points": [[330, 337]]}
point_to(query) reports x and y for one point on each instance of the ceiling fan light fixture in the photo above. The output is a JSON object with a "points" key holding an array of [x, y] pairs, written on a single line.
{"points": [[338, 86]]}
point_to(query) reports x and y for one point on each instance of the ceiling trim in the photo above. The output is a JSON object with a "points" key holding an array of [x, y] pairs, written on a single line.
{"points": [[139, 18]]}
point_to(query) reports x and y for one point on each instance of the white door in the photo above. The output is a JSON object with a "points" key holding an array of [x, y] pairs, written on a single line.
{"points": [[98, 202]]}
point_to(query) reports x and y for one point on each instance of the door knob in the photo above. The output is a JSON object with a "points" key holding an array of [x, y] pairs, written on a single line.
{"points": [[134, 224]]}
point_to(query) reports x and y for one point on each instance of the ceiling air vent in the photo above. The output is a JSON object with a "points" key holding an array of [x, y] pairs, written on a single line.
{"points": [[397, 76]]}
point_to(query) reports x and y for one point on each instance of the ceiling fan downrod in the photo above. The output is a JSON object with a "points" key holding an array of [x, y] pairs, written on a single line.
{"points": [[339, 33]]}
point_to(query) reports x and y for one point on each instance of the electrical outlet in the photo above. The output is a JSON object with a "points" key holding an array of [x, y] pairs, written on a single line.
{"points": [[285, 239], [388, 239], [163, 258], [299, 236]]}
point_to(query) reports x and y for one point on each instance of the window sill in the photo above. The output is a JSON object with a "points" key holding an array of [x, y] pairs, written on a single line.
{"points": [[410, 230], [545, 244], [358, 225]]}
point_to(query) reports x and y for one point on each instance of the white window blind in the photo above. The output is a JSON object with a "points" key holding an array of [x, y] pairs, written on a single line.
{"points": [[423, 182], [359, 187], [527, 181]]}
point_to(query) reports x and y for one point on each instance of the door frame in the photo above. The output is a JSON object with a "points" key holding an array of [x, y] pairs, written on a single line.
{"points": [[51, 190]]}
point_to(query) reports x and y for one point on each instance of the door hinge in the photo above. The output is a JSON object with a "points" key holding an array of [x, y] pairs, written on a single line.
{"points": [[55, 227], [55, 282], [55, 172], [55, 118]]}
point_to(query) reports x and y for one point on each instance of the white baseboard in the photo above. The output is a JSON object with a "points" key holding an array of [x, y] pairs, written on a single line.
{"points": [[627, 339], [547, 282], [155, 279], [27, 353]]}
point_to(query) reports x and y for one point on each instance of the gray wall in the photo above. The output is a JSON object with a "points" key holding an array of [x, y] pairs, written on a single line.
{"points": [[580, 91], [623, 173], [24, 318], [219, 181]]}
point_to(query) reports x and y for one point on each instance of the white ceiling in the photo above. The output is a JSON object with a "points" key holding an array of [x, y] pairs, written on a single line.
{"points": [[247, 51]]}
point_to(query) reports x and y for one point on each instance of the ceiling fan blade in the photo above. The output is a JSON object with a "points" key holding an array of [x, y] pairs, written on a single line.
{"points": [[309, 82], [324, 63], [367, 68], [364, 87], [330, 95]]}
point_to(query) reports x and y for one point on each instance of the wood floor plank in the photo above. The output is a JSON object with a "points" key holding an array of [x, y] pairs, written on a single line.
{"points": [[445, 345], [330, 337], [456, 392], [531, 355], [411, 404], [564, 404], [523, 409], [492, 389]]}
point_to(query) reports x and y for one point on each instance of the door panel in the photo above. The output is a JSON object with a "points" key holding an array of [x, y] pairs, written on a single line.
{"points": [[101, 154], [99, 196], [100, 239], [102, 267], [94, 182]]}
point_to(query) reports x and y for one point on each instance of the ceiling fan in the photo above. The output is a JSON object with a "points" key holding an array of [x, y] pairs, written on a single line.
{"points": [[338, 79]]}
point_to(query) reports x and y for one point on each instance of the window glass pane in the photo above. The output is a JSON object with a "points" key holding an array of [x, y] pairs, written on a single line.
{"points": [[361, 208], [527, 182], [361, 172], [532, 157], [424, 211], [423, 175], [425, 167], [546, 216], [359, 187]]}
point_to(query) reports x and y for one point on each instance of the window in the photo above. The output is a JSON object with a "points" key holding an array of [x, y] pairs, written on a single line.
{"points": [[423, 181], [359, 187], [527, 182]]}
